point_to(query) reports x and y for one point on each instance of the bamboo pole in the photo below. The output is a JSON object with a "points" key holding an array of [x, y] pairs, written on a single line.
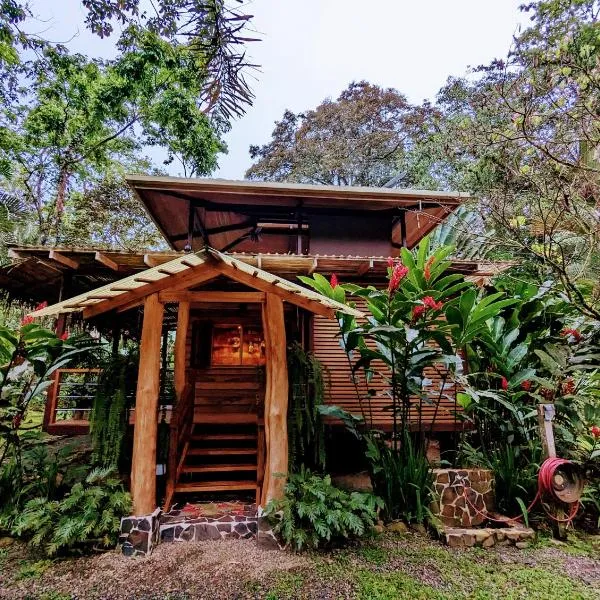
{"points": [[143, 466]]}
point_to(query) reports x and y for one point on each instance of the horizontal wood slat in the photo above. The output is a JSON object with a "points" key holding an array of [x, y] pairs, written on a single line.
{"points": [[341, 389]]}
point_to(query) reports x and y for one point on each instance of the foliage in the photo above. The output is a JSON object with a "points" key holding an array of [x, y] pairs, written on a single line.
{"points": [[403, 478], [527, 139], [314, 513], [108, 418], [305, 427], [89, 514], [354, 140]]}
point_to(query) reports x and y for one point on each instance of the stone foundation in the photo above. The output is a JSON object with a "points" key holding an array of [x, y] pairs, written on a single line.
{"points": [[266, 538], [139, 535], [486, 537], [195, 526], [451, 506]]}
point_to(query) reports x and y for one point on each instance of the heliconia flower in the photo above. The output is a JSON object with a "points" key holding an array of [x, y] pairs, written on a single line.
{"points": [[418, 311], [547, 393], [399, 272], [595, 431], [390, 262], [41, 305], [429, 302], [427, 270], [504, 383], [526, 385], [64, 337], [27, 320], [334, 280], [572, 334], [568, 387]]}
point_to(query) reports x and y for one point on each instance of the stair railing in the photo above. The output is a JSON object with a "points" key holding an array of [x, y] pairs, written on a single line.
{"points": [[182, 423]]}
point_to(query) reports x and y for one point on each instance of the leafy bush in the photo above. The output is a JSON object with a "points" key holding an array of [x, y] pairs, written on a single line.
{"points": [[314, 512], [402, 478], [89, 514]]}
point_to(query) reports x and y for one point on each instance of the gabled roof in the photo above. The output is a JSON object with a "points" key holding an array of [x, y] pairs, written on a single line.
{"points": [[223, 210], [188, 271]]}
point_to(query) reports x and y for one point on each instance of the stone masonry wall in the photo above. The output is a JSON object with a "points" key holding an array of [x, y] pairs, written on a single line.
{"points": [[451, 506]]}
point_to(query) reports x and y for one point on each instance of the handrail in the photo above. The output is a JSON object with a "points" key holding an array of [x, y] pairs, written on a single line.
{"points": [[181, 425]]}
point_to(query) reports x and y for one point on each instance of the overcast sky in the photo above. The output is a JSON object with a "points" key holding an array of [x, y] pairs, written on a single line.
{"points": [[312, 49]]}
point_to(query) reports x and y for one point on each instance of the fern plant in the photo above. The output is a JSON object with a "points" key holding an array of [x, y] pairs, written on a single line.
{"points": [[89, 514], [314, 513], [307, 395]]}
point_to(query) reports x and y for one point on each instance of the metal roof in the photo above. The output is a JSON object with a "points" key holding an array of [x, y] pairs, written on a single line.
{"points": [[137, 286]]}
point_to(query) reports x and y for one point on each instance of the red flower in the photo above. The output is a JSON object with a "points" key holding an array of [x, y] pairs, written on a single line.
{"points": [[27, 320], [568, 387], [418, 311], [16, 422], [504, 383], [595, 431], [526, 385], [41, 305], [334, 280], [399, 272], [572, 333], [429, 302], [390, 262], [547, 393], [65, 336], [427, 270]]}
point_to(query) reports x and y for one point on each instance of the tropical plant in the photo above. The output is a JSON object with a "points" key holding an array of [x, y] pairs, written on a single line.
{"points": [[314, 513], [89, 515], [305, 426], [108, 418]]}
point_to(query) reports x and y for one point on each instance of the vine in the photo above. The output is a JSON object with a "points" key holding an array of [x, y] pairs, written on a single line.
{"points": [[305, 426]]}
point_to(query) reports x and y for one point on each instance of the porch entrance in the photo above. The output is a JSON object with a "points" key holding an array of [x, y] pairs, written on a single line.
{"points": [[222, 451]]}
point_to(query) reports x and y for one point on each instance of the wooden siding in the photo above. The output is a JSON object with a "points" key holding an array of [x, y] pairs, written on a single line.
{"points": [[341, 389]]}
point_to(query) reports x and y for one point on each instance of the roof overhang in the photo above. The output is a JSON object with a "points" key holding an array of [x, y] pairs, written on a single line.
{"points": [[224, 210], [189, 271]]}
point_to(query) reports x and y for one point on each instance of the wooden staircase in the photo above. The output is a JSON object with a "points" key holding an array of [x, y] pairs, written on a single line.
{"points": [[211, 452]]}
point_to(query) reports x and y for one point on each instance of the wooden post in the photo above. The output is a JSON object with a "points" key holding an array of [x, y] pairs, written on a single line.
{"points": [[52, 394], [546, 414], [143, 466], [183, 320], [276, 400]]}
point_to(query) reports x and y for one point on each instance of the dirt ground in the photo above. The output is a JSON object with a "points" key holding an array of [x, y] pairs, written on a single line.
{"points": [[387, 567]]}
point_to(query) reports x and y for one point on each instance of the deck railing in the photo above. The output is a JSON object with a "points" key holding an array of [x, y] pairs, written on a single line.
{"points": [[70, 397]]}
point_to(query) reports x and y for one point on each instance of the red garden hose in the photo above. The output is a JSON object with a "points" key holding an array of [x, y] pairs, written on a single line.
{"points": [[546, 488]]}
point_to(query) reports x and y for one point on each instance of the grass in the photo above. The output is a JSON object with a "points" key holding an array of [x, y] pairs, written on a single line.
{"points": [[389, 567]]}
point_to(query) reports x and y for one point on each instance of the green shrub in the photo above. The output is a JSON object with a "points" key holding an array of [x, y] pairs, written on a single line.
{"points": [[313, 512], [402, 478], [89, 514]]}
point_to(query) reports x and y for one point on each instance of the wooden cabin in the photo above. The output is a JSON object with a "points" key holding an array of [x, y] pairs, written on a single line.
{"points": [[229, 289]]}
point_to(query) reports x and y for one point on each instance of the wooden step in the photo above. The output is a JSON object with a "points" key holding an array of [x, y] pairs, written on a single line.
{"points": [[218, 468], [224, 418], [210, 437], [215, 486], [220, 451]]}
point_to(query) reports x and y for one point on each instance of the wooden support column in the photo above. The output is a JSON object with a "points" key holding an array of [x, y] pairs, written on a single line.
{"points": [[183, 321], [143, 466], [276, 400]]}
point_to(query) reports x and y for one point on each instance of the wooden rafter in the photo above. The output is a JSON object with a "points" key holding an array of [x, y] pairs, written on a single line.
{"points": [[63, 260]]}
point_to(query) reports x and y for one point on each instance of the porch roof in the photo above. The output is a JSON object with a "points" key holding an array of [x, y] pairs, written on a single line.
{"points": [[188, 271]]}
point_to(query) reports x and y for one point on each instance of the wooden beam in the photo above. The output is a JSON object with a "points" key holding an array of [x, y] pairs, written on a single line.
{"points": [[107, 261], [63, 260], [270, 288], [276, 400], [183, 322], [314, 266], [154, 260], [185, 278], [143, 465], [220, 297], [366, 266]]}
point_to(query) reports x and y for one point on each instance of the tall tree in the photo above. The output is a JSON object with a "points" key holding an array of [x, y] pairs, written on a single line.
{"points": [[358, 139], [67, 120], [527, 129]]}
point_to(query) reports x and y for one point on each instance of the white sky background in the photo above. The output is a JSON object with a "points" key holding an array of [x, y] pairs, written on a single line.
{"points": [[312, 49]]}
